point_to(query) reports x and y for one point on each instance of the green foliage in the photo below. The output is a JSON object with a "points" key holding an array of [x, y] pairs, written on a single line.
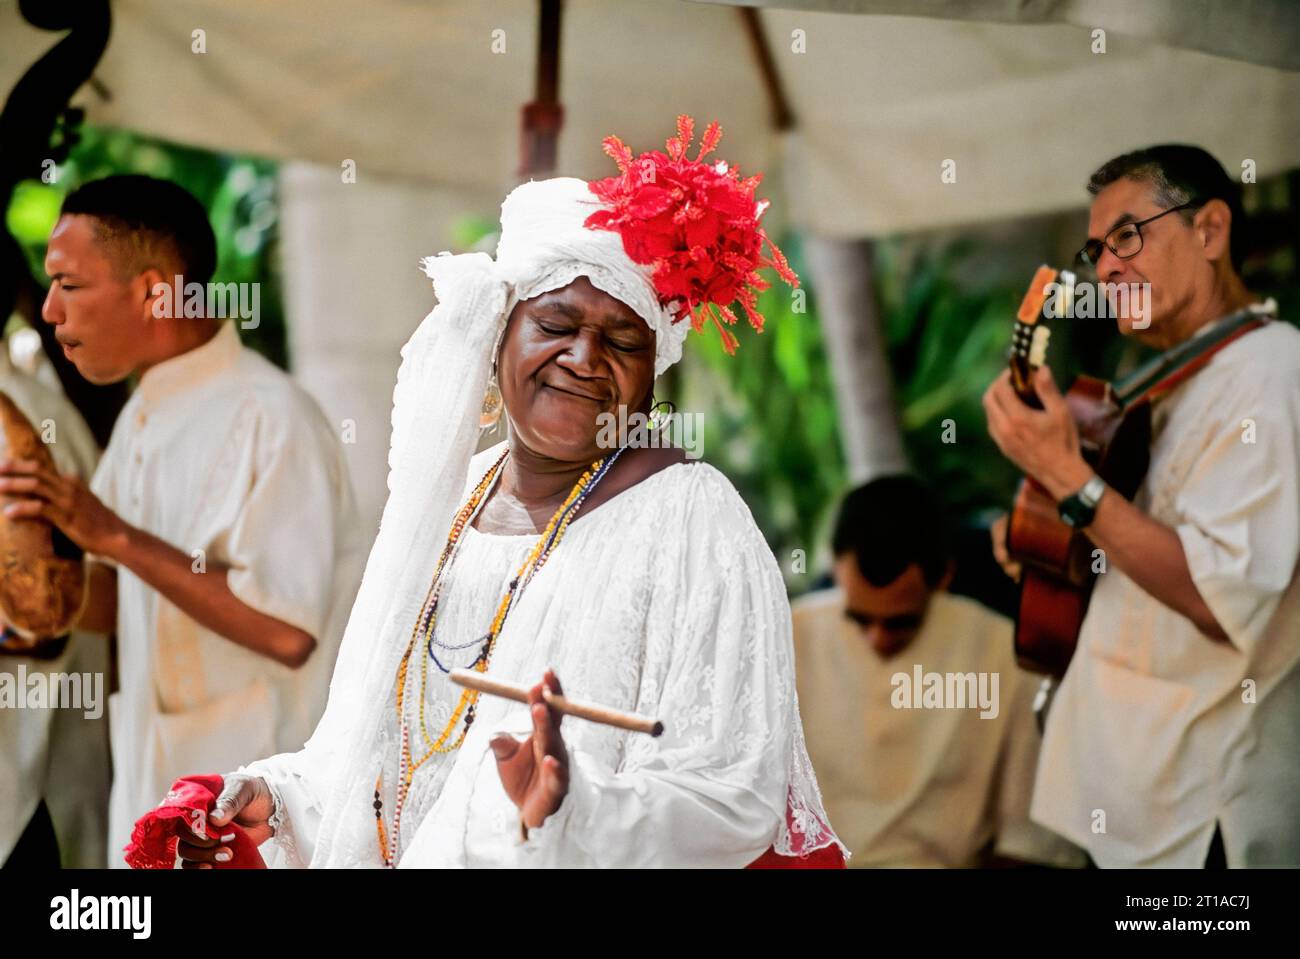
{"points": [[946, 343], [469, 231], [769, 420], [238, 192]]}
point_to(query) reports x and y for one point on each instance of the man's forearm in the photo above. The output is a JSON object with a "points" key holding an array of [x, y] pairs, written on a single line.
{"points": [[1151, 554], [1045, 444], [206, 598]]}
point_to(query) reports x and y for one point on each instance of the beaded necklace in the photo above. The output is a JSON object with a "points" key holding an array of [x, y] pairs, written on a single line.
{"points": [[423, 636]]}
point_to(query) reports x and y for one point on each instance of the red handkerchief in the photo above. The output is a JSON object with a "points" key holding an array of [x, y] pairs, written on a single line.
{"points": [[153, 840]]}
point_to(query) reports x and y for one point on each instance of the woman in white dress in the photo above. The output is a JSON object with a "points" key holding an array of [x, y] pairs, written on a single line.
{"points": [[636, 575]]}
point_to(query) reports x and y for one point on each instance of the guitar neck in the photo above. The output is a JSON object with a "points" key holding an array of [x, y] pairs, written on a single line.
{"points": [[1181, 359], [1029, 337]]}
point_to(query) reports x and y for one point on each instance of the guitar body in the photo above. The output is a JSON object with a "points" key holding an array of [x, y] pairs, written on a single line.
{"points": [[1058, 576]]}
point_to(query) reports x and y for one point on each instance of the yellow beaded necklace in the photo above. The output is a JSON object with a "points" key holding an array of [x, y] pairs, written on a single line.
{"points": [[423, 632]]}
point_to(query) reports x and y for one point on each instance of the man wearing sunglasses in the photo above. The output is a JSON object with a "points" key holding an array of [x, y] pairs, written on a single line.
{"points": [[913, 779], [1174, 738]]}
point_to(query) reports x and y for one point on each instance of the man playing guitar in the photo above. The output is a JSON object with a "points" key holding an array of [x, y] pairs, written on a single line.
{"points": [[1174, 738]]}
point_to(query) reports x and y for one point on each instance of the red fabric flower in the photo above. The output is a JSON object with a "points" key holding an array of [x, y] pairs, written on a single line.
{"points": [[696, 223]]}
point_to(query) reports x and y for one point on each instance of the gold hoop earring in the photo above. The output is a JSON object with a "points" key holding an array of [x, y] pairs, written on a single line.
{"points": [[493, 404]]}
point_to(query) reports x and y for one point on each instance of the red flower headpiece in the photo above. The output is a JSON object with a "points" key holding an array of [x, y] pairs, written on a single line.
{"points": [[696, 223]]}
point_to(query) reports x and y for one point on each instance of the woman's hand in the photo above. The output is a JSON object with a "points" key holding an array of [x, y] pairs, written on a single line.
{"points": [[244, 800], [535, 772]]}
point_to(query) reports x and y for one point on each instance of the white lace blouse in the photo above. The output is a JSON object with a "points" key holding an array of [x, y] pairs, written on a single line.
{"points": [[665, 600]]}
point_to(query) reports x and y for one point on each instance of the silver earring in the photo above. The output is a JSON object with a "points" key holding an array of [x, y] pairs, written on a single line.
{"points": [[661, 412]]}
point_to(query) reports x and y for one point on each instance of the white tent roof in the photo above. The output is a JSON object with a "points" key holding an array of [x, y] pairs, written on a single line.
{"points": [[414, 91], [1256, 31]]}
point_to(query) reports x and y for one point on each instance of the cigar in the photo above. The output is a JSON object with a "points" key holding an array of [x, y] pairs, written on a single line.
{"points": [[570, 707]]}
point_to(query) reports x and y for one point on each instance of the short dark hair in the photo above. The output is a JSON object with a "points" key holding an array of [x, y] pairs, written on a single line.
{"points": [[1180, 174], [143, 220], [890, 523]]}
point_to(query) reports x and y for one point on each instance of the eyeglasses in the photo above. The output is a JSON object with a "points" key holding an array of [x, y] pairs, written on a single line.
{"points": [[1125, 241]]}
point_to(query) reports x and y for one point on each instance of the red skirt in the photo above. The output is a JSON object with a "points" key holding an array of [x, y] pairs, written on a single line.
{"points": [[828, 857]]}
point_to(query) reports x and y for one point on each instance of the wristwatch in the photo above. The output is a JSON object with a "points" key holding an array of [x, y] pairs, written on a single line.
{"points": [[1078, 510]]}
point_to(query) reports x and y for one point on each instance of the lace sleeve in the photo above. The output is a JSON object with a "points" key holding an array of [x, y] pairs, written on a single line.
{"points": [[729, 777], [296, 817]]}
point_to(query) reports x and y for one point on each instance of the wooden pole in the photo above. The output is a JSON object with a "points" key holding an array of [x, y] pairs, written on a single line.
{"points": [[543, 118]]}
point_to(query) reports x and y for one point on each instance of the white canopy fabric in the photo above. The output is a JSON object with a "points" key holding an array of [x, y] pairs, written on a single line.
{"points": [[413, 91], [1256, 31]]}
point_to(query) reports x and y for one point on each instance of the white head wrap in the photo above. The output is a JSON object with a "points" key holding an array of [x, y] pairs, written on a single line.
{"points": [[544, 246]]}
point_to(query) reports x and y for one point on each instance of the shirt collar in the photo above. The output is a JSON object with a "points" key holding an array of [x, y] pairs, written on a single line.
{"points": [[192, 367]]}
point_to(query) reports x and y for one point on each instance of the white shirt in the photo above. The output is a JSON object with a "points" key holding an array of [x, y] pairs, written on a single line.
{"points": [[910, 787], [221, 455], [56, 754], [1158, 731], [666, 601]]}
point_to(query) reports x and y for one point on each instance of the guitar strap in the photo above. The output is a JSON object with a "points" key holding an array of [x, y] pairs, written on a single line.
{"points": [[1169, 382], [1159, 388]]}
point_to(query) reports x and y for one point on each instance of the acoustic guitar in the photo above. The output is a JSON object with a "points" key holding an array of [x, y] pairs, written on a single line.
{"points": [[1060, 564]]}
